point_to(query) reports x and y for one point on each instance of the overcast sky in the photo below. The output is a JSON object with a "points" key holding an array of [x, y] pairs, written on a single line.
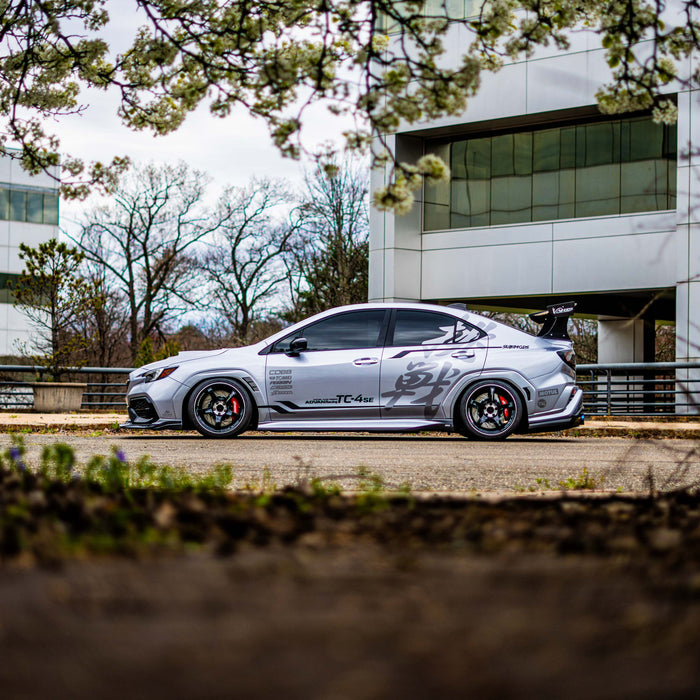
{"points": [[231, 150]]}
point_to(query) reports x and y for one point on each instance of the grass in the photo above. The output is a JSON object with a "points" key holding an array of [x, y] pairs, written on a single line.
{"points": [[584, 481]]}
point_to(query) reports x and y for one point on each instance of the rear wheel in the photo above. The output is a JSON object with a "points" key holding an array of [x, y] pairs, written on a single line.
{"points": [[490, 410], [220, 408]]}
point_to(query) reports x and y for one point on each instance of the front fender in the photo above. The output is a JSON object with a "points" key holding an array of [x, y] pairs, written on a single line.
{"points": [[245, 377]]}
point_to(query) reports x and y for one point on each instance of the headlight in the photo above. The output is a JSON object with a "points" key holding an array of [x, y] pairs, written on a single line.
{"points": [[154, 374]]}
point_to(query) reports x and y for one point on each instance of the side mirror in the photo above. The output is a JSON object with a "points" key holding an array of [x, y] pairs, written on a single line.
{"points": [[296, 346]]}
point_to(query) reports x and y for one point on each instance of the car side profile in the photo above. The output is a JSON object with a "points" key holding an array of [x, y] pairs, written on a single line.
{"points": [[372, 367]]}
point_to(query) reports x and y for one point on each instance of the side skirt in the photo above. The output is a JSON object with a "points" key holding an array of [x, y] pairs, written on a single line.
{"points": [[370, 426]]}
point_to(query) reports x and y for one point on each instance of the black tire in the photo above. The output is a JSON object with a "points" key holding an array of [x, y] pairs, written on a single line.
{"points": [[220, 408], [490, 410]]}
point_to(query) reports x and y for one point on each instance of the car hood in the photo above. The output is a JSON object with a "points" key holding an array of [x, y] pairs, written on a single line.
{"points": [[184, 356]]}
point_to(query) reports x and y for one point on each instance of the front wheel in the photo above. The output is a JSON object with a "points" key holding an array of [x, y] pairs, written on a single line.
{"points": [[490, 410], [220, 408]]}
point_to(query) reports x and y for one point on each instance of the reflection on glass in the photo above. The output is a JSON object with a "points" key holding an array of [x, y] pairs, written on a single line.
{"points": [[358, 329], [51, 209], [452, 9], [4, 204], [603, 168], [30, 206], [18, 205], [423, 328], [35, 207]]}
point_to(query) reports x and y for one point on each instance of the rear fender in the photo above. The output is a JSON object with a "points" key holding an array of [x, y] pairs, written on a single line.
{"points": [[525, 388]]}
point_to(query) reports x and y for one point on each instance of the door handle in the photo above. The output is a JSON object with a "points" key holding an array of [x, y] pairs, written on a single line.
{"points": [[463, 354], [366, 361]]}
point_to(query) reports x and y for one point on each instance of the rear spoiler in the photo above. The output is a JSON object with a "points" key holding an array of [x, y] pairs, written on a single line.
{"points": [[554, 320]]}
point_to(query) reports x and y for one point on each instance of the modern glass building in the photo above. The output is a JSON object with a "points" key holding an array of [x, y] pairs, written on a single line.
{"points": [[550, 200], [28, 214]]}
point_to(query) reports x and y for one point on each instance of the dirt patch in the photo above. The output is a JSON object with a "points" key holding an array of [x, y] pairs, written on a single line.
{"points": [[310, 594]]}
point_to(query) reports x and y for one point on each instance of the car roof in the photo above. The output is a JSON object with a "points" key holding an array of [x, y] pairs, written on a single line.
{"points": [[412, 305]]}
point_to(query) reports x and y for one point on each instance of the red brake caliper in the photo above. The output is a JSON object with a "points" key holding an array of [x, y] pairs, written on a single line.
{"points": [[503, 403], [235, 406]]}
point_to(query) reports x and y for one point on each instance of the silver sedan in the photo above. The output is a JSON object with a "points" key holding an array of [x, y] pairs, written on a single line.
{"points": [[372, 367]]}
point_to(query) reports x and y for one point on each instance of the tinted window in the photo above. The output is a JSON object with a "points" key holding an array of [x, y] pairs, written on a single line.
{"points": [[428, 328], [357, 329]]}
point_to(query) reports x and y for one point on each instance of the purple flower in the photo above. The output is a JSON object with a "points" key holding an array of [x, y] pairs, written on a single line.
{"points": [[120, 456], [16, 456]]}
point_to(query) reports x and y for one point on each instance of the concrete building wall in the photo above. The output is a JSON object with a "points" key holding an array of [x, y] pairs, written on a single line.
{"points": [[614, 259], [14, 326]]}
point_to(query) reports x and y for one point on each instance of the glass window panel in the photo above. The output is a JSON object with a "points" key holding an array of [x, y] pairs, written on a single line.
{"points": [[472, 8], [576, 173], [644, 186], [522, 148], [567, 194], [455, 9], [545, 196], [438, 193], [478, 159], [18, 206], [471, 203], [671, 141], [546, 150], [437, 197], [567, 148], [597, 144], [646, 139], [35, 207], [51, 209], [598, 190], [4, 204], [423, 328], [358, 329], [458, 160], [511, 200], [672, 173], [502, 155], [479, 193], [437, 216]]}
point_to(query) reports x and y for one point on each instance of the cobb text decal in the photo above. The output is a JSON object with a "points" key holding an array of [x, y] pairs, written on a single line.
{"points": [[280, 382]]}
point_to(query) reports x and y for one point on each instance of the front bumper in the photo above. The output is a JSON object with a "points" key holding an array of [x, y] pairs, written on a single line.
{"points": [[569, 417], [144, 415]]}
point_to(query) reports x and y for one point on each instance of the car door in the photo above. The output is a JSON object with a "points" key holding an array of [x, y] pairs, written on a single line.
{"points": [[336, 377], [425, 354]]}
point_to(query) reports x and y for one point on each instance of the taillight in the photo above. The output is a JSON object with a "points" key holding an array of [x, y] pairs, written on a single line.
{"points": [[568, 357]]}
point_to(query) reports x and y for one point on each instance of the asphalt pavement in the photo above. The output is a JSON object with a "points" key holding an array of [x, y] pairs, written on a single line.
{"points": [[597, 426]]}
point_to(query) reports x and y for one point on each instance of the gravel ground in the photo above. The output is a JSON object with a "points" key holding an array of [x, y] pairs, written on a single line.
{"points": [[432, 463]]}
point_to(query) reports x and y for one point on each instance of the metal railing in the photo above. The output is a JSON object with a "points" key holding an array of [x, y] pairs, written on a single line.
{"points": [[101, 392], [647, 389], [640, 388]]}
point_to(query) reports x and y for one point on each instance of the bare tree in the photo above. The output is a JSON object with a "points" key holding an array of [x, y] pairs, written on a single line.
{"points": [[329, 265], [243, 265], [52, 293], [144, 242]]}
